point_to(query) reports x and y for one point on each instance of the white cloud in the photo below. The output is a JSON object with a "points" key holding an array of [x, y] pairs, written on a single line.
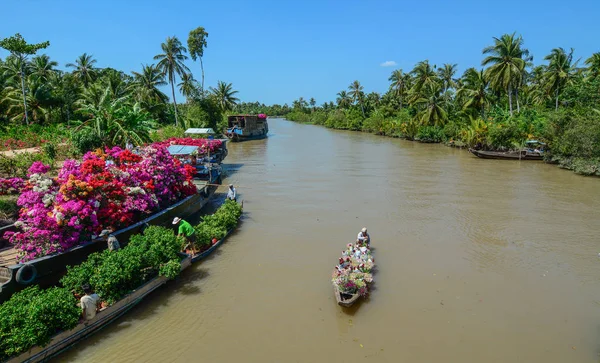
{"points": [[388, 64]]}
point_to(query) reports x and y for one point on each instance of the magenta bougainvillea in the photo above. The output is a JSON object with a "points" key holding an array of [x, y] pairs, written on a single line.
{"points": [[204, 144], [111, 188]]}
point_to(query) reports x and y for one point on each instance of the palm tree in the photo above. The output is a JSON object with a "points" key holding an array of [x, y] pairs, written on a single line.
{"points": [[38, 100], [224, 94], [312, 103], [356, 92], [424, 75], [170, 62], [431, 104], [560, 70], [147, 84], [188, 86], [343, 100], [42, 67], [84, 68], [446, 74], [506, 63], [399, 84], [593, 63], [474, 91]]}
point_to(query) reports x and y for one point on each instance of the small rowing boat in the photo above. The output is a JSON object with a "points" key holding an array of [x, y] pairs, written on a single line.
{"points": [[352, 276]]}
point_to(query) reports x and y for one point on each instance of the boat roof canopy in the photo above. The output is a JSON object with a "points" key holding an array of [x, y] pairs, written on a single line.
{"points": [[200, 131], [534, 142], [182, 149]]}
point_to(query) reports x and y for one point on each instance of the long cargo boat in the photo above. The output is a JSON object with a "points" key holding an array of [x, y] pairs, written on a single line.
{"points": [[508, 155], [64, 340], [247, 127], [46, 271]]}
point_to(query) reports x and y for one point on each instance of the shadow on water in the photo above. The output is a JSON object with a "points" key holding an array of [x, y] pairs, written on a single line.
{"points": [[231, 169]]}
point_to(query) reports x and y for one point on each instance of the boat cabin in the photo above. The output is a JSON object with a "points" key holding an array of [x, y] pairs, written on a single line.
{"points": [[187, 154], [247, 127]]}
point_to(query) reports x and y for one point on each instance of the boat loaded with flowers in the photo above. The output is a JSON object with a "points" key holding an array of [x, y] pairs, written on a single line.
{"points": [[36, 324], [353, 274], [207, 150], [60, 216]]}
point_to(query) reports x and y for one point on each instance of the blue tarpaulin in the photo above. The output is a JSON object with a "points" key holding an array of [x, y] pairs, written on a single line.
{"points": [[181, 149]]}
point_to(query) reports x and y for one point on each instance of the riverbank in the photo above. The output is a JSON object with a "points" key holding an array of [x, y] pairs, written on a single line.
{"points": [[463, 136]]}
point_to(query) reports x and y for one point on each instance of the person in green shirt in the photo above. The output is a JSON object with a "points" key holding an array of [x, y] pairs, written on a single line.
{"points": [[186, 230]]}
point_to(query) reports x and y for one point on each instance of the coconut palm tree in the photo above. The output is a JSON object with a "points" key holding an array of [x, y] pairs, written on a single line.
{"points": [[224, 94], [474, 91], [593, 64], [343, 100], [356, 92], [42, 67], [146, 85], [399, 84], [170, 62], [431, 105], [560, 71], [446, 74], [84, 69], [312, 103], [425, 76], [188, 86], [38, 98], [506, 63]]}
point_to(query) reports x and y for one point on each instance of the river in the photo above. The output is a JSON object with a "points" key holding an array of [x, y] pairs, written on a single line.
{"points": [[478, 261]]}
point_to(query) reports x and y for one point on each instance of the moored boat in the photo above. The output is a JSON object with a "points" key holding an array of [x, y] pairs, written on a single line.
{"points": [[63, 340], [507, 155], [247, 127], [352, 276], [205, 253], [46, 271]]}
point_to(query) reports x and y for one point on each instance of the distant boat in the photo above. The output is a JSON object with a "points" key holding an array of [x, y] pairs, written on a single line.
{"points": [[530, 152], [508, 155], [247, 127]]}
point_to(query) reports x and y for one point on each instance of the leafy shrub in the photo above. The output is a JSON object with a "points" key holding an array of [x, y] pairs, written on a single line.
{"points": [[430, 134], [337, 120], [167, 132], [506, 135], [17, 165], [217, 225], [85, 140], [32, 316], [113, 274], [298, 116]]}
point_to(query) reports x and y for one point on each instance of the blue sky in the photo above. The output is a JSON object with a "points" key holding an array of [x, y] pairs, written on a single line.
{"points": [[277, 51]]}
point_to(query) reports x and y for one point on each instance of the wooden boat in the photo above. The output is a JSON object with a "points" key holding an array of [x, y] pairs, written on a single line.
{"points": [[345, 300], [198, 256], [247, 127], [63, 340], [46, 271], [508, 155], [357, 271]]}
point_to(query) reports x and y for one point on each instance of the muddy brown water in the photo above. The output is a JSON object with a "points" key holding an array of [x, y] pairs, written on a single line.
{"points": [[478, 261]]}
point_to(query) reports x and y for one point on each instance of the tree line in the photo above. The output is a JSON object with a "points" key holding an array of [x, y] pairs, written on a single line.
{"points": [[496, 106], [103, 105]]}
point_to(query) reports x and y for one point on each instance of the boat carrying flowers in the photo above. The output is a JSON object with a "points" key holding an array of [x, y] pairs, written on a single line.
{"points": [[353, 274], [61, 216]]}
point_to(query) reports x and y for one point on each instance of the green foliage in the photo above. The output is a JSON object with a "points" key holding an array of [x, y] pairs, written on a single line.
{"points": [[113, 274], [167, 132], [9, 209], [430, 134], [170, 269], [86, 140], [17, 45], [17, 165], [217, 225], [298, 116], [32, 316]]}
